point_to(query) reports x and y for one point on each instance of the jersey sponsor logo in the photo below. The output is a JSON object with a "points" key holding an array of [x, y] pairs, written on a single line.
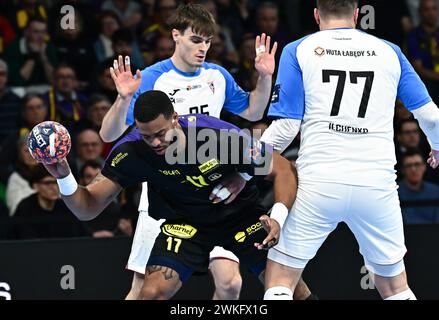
{"points": [[347, 129], [176, 100], [319, 51], [118, 158], [351, 53], [183, 231], [254, 228], [170, 172], [240, 236], [209, 165], [214, 176], [196, 86], [275, 95]]}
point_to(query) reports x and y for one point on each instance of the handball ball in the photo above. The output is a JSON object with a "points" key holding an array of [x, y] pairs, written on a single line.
{"points": [[49, 142]]}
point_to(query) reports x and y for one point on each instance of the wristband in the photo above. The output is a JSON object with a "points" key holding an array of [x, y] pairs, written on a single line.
{"points": [[68, 185], [279, 212]]}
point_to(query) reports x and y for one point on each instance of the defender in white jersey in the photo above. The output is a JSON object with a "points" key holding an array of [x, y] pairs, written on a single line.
{"points": [[339, 87], [193, 86]]}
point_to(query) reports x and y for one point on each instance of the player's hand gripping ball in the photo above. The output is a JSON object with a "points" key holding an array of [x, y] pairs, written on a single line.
{"points": [[49, 142]]}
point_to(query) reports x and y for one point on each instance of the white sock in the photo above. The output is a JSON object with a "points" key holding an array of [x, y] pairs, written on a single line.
{"points": [[278, 293], [405, 295]]}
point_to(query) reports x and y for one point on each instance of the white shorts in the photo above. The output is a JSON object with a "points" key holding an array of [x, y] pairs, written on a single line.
{"points": [[372, 214], [146, 232]]}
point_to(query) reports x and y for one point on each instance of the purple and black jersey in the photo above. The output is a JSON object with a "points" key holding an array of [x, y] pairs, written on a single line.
{"points": [[214, 150]]}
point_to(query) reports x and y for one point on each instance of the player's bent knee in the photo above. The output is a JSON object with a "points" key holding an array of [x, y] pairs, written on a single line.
{"points": [[230, 287], [136, 287], [150, 292], [386, 270]]}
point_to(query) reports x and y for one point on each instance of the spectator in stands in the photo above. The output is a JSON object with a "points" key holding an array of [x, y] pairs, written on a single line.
{"points": [[231, 53], [423, 47], [74, 48], [31, 59], [98, 106], [9, 105], [33, 111], [125, 44], [44, 214], [391, 27], [163, 49], [158, 28], [409, 137], [88, 148], [419, 198], [109, 23], [66, 103], [104, 84], [26, 11], [218, 54], [18, 187], [233, 15], [7, 33], [128, 11], [109, 223], [267, 20]]}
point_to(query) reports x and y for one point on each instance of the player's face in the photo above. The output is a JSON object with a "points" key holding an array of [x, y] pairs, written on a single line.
{"points": [[154, 133], [191, 48]]}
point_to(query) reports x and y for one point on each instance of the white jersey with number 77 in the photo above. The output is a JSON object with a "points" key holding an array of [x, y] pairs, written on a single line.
{"points": [[343, 84]]}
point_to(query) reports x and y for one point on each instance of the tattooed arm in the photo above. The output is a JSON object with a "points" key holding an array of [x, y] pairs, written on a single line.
{"points": [[88, 202]]}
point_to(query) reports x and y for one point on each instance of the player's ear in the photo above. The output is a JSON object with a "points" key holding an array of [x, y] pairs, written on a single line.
{"points": [[356, 13], [317, 16], [175, 35], [174, 119]]}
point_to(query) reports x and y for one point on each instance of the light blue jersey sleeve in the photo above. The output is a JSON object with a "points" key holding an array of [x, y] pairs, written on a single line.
{"points": [[236, 100], [411, 90], [149, 77], [288, 99]]}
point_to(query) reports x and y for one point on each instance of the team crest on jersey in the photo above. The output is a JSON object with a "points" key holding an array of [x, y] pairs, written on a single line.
{"points": [[211, 86], [319, 51]]}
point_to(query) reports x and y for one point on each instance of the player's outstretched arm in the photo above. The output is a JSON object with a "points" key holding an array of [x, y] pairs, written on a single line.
{"points": [[113, 124], [428, 118], [284, 177], [265, 65], [85, 202], [281, 133]]}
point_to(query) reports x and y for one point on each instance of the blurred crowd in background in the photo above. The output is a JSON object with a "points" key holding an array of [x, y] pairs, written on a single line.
{"points": [[51, 73]]}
